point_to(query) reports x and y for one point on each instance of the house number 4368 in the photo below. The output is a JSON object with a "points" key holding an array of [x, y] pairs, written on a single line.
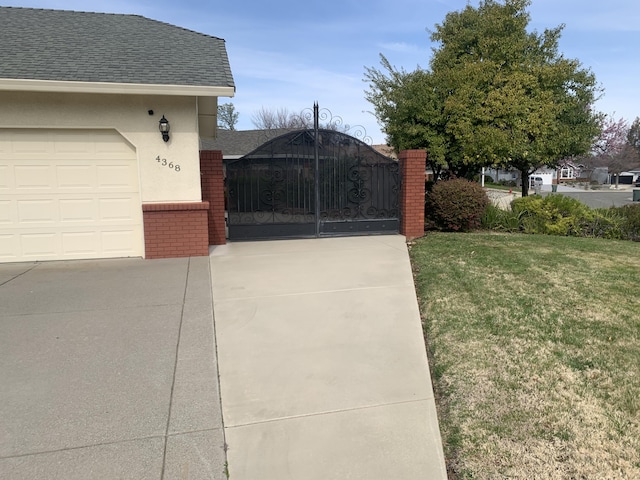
{"points": [[164, 163]]}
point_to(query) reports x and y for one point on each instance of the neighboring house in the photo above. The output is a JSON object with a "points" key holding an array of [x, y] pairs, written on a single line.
{"points": [[386, 150], [84, 169], [501, 174], [636, 175], [627, 178], [546, 174], [568, 172], [595, 175], [237, 143]]}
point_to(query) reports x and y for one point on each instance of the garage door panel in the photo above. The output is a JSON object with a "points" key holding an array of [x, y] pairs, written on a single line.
{"points": [[42, 211], [25, 142], [117, 209], [76, 177], [9, 247], [34, 177], [7, 212], [77, 210], [6, 177], [40, 246], [117, 243], [77, 244], [116, 177], [69, 144], [68, 194]]}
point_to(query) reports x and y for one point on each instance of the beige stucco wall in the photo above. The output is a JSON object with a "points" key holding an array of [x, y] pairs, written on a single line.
{"points": [[127, 114]]}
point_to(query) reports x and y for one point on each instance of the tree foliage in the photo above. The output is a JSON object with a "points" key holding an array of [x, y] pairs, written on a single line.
{"points": [[494, 94], [227, 116], [633, 135], [614, 147]]}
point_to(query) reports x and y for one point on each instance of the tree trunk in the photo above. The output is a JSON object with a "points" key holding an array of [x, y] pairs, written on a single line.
{"points": [[524, 174]]}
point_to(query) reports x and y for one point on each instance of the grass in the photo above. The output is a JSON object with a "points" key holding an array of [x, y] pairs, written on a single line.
{"points": [[534, 345]]}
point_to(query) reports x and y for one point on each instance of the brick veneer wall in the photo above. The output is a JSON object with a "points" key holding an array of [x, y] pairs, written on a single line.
{"points": [[175, 229], [412, 167], [212, 183]]}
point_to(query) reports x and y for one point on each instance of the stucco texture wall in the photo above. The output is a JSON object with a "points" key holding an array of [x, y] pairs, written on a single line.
{"points": [[128, 115]]}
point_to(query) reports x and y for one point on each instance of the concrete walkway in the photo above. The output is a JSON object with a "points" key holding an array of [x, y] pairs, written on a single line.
{"points": [[323, 371], [108, 371]]}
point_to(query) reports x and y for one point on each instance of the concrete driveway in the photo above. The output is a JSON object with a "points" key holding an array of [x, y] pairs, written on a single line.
{"points": [[323, 368], [108, 371]]}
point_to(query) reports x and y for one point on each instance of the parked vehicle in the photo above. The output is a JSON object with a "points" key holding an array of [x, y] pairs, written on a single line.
{"points": [[535, 182]]}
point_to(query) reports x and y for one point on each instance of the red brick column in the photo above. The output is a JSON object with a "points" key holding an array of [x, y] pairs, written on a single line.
{"points": [[175, 229], [412, 168], [212, 184]]}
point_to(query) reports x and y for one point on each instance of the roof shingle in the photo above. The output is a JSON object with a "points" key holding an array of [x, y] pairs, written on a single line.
{"points": [[62, 45]]}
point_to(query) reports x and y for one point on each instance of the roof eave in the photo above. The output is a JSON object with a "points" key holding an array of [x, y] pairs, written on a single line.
{"points": [[27, 85]]}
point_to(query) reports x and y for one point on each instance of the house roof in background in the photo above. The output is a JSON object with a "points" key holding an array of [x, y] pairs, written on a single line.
{"points": [[386, 150], [237, 143], [67, 46]]}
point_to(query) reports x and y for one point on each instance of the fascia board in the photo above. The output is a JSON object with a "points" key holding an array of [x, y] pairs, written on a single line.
{"points": [[26, 85]]}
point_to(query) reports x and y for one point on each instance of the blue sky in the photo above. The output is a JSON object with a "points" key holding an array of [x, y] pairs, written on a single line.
{"points": [[288, 54]]}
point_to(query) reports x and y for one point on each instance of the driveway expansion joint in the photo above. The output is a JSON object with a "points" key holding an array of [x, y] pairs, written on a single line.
{"points": [[329, 412]]}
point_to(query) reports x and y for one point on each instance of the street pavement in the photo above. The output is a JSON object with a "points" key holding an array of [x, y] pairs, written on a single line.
{"points": [[600, 198]]}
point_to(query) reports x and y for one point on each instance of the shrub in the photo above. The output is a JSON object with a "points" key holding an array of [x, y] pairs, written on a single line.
{"points": [[560, 215], [631, 221], [495, 218], [604, 223], [456, 205], [552, 215]]}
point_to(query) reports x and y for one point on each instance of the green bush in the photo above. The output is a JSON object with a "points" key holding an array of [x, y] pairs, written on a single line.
{"points": [[560, 215], [456, 205], [552, 215], [630, 221], [604, 223], [495, 218]]}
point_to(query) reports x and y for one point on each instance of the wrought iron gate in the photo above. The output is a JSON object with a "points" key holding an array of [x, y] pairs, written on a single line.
{"points": [[311, 183]]}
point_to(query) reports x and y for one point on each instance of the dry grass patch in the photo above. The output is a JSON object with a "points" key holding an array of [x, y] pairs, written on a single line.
{"points": [[534, 344]]}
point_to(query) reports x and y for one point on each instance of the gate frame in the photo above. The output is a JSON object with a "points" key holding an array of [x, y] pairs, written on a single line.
{"points": [[412, 171]]}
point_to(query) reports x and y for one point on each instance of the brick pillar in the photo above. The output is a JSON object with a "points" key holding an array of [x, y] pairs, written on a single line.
{"points": [[412, 168], [175, 229], [212, 184]]}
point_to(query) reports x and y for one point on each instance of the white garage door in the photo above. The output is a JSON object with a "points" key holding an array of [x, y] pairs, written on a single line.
{"points": [[68, 194]]}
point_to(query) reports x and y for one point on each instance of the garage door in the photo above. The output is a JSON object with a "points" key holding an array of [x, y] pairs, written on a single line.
{"points": [[68, 194]]}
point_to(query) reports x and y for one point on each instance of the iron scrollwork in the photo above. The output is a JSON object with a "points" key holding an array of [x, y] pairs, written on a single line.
{"points": [[323, 177]]}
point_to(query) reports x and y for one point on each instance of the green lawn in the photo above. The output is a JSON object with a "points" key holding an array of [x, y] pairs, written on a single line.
{"points": [[534, 345]]}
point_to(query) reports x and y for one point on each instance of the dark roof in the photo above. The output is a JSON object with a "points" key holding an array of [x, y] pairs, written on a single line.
{"points": [[263, 144], [61, 45], [241, 142]]}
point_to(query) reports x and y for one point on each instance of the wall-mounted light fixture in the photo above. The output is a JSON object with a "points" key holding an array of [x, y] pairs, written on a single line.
{"points": [[164, 128]]}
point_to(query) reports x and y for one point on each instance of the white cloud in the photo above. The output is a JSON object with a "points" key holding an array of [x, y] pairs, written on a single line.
{"points": [[400, 47]]}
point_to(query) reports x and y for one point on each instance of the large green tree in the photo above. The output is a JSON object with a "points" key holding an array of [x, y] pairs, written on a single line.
{"points": [[495, 93]]}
